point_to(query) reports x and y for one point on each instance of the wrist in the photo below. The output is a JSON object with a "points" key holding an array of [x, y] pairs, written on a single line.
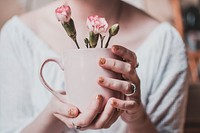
{"points": [[45, 122], [138, 120], [141, 123], [49, 111]]}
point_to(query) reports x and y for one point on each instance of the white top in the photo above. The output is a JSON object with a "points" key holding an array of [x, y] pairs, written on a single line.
{"points": [[162, 70]]}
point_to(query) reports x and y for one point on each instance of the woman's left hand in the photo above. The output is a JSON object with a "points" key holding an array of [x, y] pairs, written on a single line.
{"points": [[130, 108], [130, 87]]}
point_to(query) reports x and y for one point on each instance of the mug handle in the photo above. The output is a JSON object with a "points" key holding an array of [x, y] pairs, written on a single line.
{"points": [[45, 84]]}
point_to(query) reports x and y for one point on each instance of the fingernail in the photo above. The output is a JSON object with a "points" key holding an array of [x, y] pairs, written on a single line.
{"points": [[102, 61], [72, 113], [99, 98], [115, 48], [114, 103], [101, 79]]}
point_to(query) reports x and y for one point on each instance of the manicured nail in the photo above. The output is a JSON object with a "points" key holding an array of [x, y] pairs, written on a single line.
{"points": [[99, 98], [71, 113], [101, 79], [114, 103], [102, 61], [115, 48]]}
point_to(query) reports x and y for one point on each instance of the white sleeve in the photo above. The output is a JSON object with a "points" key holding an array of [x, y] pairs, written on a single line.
{"points": [[15, 100], [167, 99]]}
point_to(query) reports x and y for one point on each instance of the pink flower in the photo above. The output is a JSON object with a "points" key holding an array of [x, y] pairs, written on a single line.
{"points": [[63, 13], [97, 24]]}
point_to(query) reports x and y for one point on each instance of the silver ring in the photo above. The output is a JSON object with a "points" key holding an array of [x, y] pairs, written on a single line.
{"points": [[133, 87], [75, 126]]}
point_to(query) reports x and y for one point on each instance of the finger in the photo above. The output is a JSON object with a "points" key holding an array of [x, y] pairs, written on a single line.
{"points": [[64, 119], [62, 108], [116, 65], [130, 106], [121, 67], [65, 109], [115, 84], [116, 115], [103, 118], [86, 118], [126, 54]]}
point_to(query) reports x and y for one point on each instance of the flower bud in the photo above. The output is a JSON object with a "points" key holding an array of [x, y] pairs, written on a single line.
{"points": [[114, 29], [70, 29], [63, 14], [97, 24]]}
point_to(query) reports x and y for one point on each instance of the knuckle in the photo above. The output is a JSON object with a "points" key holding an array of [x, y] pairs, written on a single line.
{"points": [[134, 55], [112, 102], [128, 68], [132, 103], [127, 89], [84, 122], [114, 63], [111, 99], [122, 51], [129, 105], [111, 84], [124, 105]]}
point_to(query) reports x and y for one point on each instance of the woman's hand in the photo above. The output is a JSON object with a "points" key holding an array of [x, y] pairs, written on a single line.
{"points": [[46, 122], [73, 119], [60, 109], [129, 87], [129, 108]]}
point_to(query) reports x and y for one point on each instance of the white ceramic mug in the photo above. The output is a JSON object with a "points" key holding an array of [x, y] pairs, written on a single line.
{"points": [[81, 71]]}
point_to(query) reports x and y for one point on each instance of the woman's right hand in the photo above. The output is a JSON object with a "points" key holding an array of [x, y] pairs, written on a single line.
{"points": [[67, 110], [73, 115], [47, 122]]}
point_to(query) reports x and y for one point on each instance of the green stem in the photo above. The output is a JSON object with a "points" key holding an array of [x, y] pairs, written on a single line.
{"points": [[86, 42], [102, 38], [108, 41]]}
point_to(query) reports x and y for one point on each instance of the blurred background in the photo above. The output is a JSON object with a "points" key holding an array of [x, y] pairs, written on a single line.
{"points": [[184, 15]]}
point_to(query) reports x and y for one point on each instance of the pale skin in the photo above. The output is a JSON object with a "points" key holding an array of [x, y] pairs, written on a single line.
{"points": [[57, 115]]}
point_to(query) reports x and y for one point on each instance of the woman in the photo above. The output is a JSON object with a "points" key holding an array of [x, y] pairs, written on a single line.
{"points": [[158, 105]]}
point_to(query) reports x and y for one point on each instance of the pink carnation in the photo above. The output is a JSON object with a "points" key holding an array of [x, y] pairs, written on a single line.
{"points": [[63, 13], [97, 24]]}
